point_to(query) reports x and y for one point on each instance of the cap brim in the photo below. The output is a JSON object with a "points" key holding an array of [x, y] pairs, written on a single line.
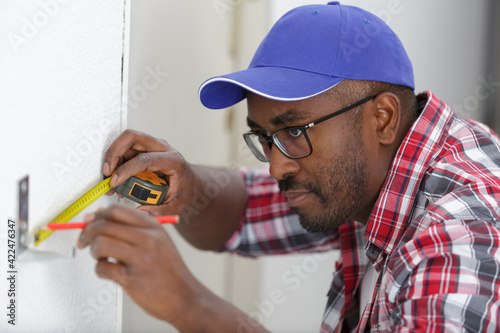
{"points": [[282, 84]]}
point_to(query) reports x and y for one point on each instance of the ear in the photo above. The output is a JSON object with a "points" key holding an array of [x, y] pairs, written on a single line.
{"points": [[387, 117]]}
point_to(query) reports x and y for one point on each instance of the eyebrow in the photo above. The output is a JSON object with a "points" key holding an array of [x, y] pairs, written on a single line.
{"points": [[290, 116], [252, 123]]}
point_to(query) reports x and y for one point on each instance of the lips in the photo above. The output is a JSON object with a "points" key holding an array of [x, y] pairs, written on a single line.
{"points": [[296, 198]]}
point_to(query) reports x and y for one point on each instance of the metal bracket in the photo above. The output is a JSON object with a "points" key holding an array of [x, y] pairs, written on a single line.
{"points": [[23, 204], [26, 240]]}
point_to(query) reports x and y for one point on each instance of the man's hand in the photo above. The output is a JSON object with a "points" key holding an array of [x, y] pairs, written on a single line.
{"points": [[135, 251], [209, 201], [133, 152], [144, 261]]}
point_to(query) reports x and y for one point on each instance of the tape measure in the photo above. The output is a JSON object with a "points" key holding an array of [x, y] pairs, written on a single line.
{"points": [[146, 188]]}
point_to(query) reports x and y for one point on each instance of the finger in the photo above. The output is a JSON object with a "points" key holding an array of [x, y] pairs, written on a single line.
{"points": [[128, 142], [106, 169], [171, 164], [127, 216], [111, 192], [154, 210], [125, 233], [130, 154], [115, 272], [104, 247], [116, 221], [150, 161]]}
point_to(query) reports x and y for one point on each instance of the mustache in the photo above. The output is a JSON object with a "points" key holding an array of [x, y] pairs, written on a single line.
{"points": [[291, 183]]}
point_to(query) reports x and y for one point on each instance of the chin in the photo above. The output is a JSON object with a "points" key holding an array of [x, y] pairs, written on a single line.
{"points": [[318, 223]]}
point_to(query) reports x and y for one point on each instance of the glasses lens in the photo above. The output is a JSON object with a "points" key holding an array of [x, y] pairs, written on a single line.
{"points": [[258, 145], [292, 142]]}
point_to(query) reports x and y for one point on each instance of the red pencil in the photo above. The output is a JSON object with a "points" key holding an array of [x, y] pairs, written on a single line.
{"points": [[80, 225]]}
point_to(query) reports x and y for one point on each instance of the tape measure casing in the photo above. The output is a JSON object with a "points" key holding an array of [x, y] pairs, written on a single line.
{"points": [[146, 188]]}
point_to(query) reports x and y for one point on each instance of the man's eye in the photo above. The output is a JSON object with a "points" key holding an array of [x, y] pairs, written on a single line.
{"points": [[295, 132], [262, 138]]}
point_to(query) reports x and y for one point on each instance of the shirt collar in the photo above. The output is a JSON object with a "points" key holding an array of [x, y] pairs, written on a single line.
{"points": [[393, 208]]}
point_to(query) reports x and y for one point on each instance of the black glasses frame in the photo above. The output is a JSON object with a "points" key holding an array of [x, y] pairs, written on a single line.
{"points": [[272, 139]]}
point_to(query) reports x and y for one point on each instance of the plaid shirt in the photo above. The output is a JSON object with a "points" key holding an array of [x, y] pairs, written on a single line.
{"points": [[434, 234]]}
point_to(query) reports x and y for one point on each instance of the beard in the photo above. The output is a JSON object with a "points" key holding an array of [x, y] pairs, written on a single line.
{"points": [[339, 192]]}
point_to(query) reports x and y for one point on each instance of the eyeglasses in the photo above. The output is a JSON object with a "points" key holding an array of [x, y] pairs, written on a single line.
{"points": [[292, 142]]}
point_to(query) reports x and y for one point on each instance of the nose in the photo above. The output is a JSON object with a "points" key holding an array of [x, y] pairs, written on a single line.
{"points": [[281, 166]]}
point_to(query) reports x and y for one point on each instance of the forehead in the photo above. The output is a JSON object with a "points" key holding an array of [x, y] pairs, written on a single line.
{"points": [[267, 112]]}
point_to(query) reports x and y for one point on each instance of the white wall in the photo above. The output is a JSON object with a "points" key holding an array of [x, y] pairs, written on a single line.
{"points": [[60, 106]]}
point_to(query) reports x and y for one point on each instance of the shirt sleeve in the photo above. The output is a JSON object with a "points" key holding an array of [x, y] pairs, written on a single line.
{"points": [[269, 226], [446, 279]]}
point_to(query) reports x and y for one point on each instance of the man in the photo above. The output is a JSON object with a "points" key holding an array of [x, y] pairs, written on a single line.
{"points": [[404, 188]]}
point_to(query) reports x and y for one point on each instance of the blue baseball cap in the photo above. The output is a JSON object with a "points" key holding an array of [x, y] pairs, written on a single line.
{"points": [[311, 49]]}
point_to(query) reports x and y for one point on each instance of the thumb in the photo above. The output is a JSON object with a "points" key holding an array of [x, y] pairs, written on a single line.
{"points": [[151, 210]]}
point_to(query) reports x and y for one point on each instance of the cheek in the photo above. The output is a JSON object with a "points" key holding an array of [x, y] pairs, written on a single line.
{"points": [[344, 150], [330, 144]]}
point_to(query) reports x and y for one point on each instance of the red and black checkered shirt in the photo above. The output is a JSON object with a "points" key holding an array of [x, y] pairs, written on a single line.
{"points": [[434, 233]]}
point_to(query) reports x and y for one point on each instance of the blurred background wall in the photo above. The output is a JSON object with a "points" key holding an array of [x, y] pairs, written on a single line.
{"points": [[176, 45]]}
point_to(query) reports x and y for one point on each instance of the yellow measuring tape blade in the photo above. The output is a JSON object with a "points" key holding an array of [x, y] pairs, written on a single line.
{"points": [[75, 208]]}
